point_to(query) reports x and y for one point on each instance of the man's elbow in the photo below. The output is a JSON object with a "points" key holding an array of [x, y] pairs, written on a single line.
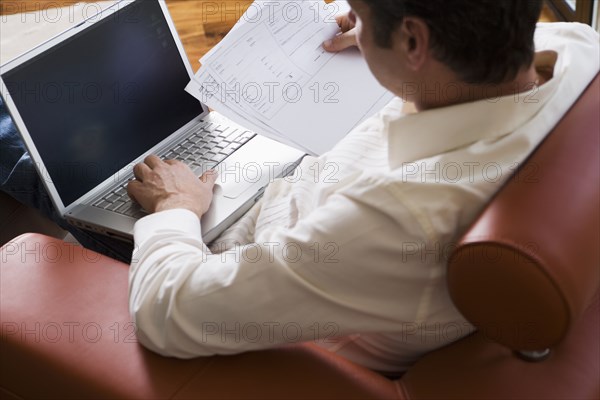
{"points": [[152, 331]]}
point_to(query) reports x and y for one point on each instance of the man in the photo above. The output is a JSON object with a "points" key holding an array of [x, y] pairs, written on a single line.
{"points": [[352, 251], [361, 258]]}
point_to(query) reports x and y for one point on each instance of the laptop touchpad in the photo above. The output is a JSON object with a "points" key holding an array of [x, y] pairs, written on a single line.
{"points": [[235, 181]]}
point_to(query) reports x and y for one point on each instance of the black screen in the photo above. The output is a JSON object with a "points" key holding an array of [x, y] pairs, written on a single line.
{"points": [[102, 98]]}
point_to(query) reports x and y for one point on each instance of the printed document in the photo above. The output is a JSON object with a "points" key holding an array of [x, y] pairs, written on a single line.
{"points": [[272, 75]]}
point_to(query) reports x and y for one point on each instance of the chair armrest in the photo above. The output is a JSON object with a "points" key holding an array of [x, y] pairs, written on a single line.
{"points": [[478, 368], [66, 326], [527, 269]]}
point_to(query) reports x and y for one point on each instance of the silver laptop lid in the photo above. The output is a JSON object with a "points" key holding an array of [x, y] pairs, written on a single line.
{"points": [[99, 96]]}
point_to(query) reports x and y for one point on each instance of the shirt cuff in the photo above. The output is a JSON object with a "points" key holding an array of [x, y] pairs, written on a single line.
{"points": [[179, 220]]}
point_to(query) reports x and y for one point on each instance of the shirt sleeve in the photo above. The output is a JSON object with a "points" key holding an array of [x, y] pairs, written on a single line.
{"points": [[341, 270]]}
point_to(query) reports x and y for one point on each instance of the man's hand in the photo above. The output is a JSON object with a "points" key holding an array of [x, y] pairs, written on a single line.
{"points": [[347, 38], [167, 185]]}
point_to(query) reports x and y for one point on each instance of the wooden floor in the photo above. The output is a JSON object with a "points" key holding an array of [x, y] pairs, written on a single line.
{"points": [[548, 15], [201, 24]]}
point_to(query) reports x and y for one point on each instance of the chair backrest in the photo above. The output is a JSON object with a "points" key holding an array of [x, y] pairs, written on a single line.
{"points": [[529, 266]]}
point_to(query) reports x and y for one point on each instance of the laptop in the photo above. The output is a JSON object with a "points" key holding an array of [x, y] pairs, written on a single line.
{"points": [[99, 98]]}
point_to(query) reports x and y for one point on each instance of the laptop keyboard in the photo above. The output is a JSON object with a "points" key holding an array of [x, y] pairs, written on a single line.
{"points": [[206, 148]]}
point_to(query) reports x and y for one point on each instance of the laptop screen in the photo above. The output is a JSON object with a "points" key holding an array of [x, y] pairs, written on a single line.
{"points": [[102, 98]]}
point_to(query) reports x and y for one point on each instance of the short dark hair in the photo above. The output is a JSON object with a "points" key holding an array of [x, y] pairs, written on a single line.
{"points": [[482, 41]]}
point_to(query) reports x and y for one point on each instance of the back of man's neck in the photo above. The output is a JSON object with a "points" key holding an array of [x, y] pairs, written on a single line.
{"points": [[451, 91]]}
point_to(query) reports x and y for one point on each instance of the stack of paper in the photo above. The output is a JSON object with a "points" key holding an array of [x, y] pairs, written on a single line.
{"points": [[272, 75]]}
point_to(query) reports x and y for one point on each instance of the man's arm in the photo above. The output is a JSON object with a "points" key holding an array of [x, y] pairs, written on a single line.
{"points": [[338, 271]]}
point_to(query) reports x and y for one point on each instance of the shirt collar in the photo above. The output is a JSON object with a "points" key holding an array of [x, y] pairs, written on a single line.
{"points": [[429, 133]]}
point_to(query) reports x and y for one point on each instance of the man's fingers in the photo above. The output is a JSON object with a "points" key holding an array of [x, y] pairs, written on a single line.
{"points": [[341, 42], [209, 177], [140, 171], [134, 187], [153, 161], [344, 22]]}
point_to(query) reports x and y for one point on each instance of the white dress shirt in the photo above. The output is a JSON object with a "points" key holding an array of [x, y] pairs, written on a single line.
{"points": [[352, 251]]}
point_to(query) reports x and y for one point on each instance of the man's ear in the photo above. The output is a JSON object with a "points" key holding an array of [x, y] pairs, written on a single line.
{"points": [[414, 39]]}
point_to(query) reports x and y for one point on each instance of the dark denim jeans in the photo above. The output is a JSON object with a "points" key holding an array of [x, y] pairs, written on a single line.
{"points": [[19, 179]]}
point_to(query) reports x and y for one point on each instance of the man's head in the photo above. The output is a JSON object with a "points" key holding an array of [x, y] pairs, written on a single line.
{"points": [[481, 42]]}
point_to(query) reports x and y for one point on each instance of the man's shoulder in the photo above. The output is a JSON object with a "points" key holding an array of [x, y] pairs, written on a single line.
{"points": [[578, 59], [556, 33]]}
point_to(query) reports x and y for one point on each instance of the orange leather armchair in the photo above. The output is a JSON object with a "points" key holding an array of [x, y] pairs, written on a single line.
{"points": [[526, 274]]}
